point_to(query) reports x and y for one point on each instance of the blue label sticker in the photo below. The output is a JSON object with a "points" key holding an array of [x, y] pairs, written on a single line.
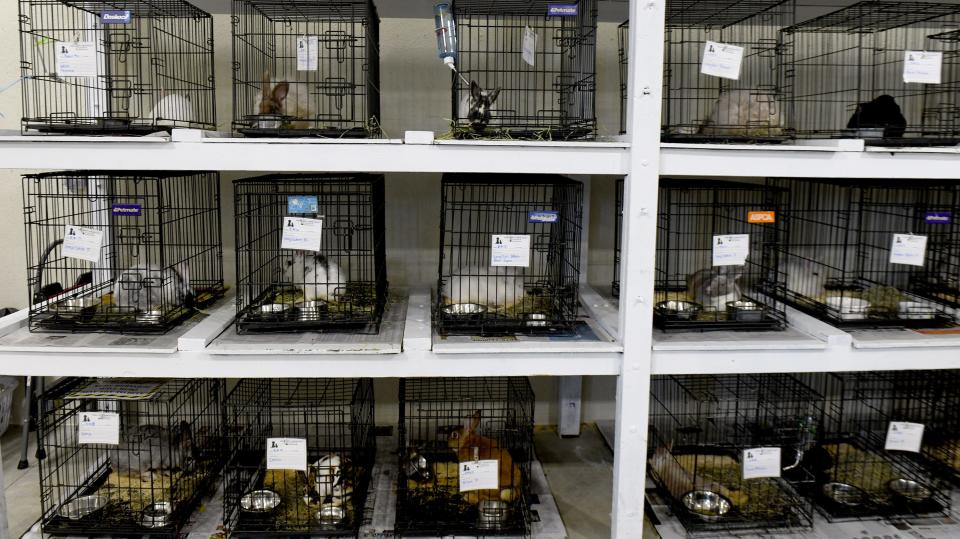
{"points": [[302, 204], [116, 16], [543, 216], [563, 10], [131, 210], [938, 217]]}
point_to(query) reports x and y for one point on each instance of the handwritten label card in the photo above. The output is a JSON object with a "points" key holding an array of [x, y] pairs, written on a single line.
{"points": [[908, 249], [904, 436], [287, 454], [301, 233], [76, 59], [512, 250], [82, 242], [721, 60], [922, 67], [731, 249], [761, 462], [307, 49], [99, 428], [479, 475]]}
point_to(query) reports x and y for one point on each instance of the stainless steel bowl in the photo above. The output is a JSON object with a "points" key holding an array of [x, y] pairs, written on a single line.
{"points": [[910, 490], [844, 494], [418, 468], [156, 515], [260, 501], [74, 307], [745, 311], [153, 316], [274, 308], [83, 506], [679, 309], [706, 504], [536, 320], [492, 514], [465, 309], [331, 515], [308, 311]]}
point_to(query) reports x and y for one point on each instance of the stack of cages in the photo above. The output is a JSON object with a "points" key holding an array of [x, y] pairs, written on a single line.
{"points": [[510, 255], [864, 459], [845, 72], [617, 238], [726, 451], [300, 454], [116, 67], [306, 68], [869, 253], [129, 252], [128, 457], [311, 253], [717, 256], [623, 57], [453, 427], [527, 69], [706, 98]]}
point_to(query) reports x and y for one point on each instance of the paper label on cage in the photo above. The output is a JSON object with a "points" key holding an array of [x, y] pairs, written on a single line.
{"points": [[543, 216], [529, 47], [923, 67], [99, 428], [731, 249], [512, 250], [76, 59], [761, 462], [479, 475], [938, 218], [287, 454], [301, 234], [761, 217], [307, 49], [721, 60], [302, 204], [904, 436], [908, 249], [116, 16], [82, 242]]}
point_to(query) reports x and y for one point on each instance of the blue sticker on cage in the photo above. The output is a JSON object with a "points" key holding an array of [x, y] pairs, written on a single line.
{"points": [[543, 216], [302, 204], [938, 217], [563, 10], [116, 16], [129, 210]]}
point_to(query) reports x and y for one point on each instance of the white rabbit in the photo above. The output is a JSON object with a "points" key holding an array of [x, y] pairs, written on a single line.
{"points": [[328, 472], [144, 287], [174, 108], [274, 99], [716, 286], [744, 113], [492, 287], [319, 277], [478, 107], [152, 449], [805, 277]]}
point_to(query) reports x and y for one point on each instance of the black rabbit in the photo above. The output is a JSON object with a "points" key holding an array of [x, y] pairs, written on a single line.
{"points": [[478, 106], [882, 112]]}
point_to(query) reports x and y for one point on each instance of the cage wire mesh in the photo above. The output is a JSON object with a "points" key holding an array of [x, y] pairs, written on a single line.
{"points": [[844, 74], [306, 68], [700, 107], [445, 425], [702, 428], [121, 66], [168, 457], [868, 253], [716, 256], [617, 237], [549, 95], [335, 417], [342, 285], [857, 478], [623, 63], [510, 253], [130, 252]]}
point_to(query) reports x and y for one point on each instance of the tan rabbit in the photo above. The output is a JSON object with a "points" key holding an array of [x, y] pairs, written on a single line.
{"points": [[471, 446], [275, 99]]}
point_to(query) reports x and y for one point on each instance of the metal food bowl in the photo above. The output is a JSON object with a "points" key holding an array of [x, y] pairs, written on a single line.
{"points": [[745, 311], [492, 514], [679, 309], [866, 132], [418, 468], [260, 501], [916, 310], [536, 320], [153, 316], [274, 309], [156, 515], [74, 307], [465, 309], [849, 308], [83, 506], [310, 310], [706, 504], [331, 515], [909, 490], [844, 494]]}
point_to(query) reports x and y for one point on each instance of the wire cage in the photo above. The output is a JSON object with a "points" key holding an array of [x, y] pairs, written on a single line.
{"points": [[545, 93], [698, 107], [868, 253], [844, 74], [509, 254], [306, 68], [716, 256], [856, 476], [116, 67], [623, 58], [128, 457], [447, 425], [335, 419], [129, 252], [337, 280], [617, 237], [702, 431]]}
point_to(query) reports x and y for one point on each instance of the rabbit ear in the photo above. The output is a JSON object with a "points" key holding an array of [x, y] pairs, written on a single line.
{"points": [[494, 95], [474, 423], [475, 90], [280, 91]]}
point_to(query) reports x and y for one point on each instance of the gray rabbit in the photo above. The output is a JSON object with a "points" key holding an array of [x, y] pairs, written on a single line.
{"points": [[146, 287], [478, 107], [714, 287], [151, 450]]}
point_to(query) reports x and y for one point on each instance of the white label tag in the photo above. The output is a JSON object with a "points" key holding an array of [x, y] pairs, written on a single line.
{"points": [[529, 46], [721, 60], [908, 249], [301, 233], [82, 242], [903, 436], [479, 475], [76, 59], [287, 454], [99, 428], [731, 249], [511, 250], [922, 67], [761, 462], [307, 49]]}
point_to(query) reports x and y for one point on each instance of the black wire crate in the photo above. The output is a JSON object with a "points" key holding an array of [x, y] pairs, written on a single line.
{"points": [[844, 74], [466, 448], [623, 64], [862, 253], [116, 67], [617, 237], [510, 250], [707, 433], [716, 256], [128, 252], [128, 457], [306, 68], [321, 490], [546, 94], [311, 253], [726, 105]]}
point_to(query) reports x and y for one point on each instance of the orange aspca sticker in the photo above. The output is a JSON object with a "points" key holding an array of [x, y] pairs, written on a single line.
{"points": [[760, 217]]}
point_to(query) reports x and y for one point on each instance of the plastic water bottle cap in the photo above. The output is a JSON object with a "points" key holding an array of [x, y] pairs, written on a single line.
{"points": [[448, 60]]}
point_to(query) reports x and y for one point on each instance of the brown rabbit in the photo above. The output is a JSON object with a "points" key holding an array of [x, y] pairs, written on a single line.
{"points": [[471, 446], [273, 100]]}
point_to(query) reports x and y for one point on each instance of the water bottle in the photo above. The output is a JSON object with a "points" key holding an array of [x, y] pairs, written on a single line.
{"points": [[446, 34]]}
